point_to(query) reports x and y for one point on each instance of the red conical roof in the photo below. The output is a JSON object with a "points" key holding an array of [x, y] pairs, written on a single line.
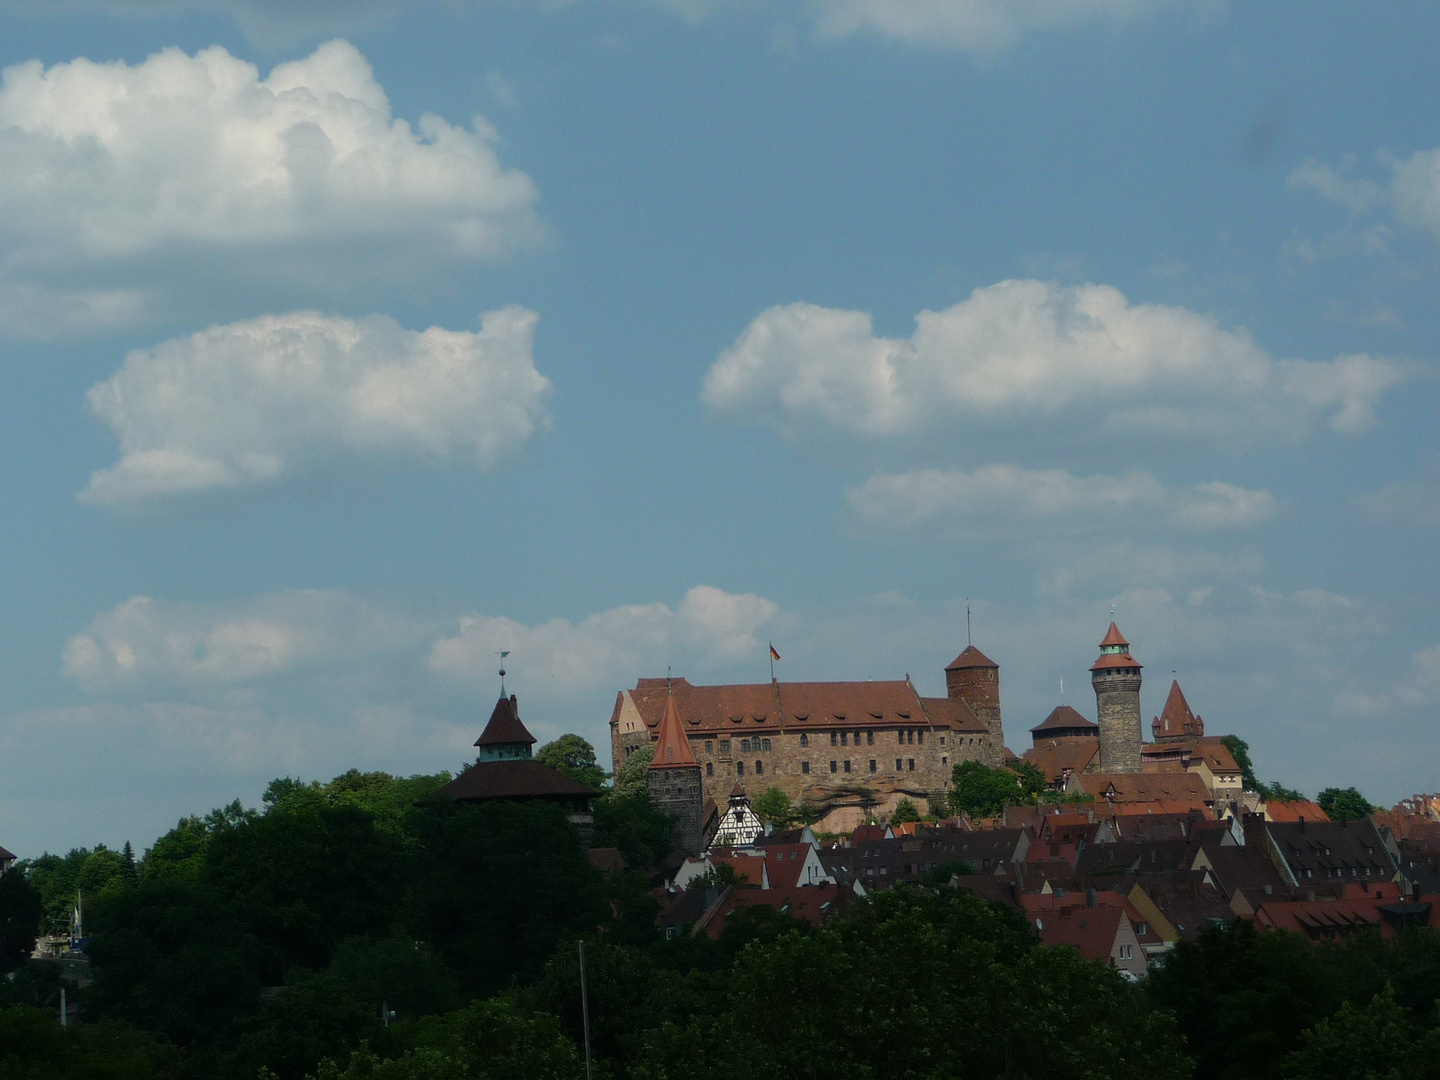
{"points": [[672, 749], [1176, 718], [971, 658], [505, 727], [1114, 637]]}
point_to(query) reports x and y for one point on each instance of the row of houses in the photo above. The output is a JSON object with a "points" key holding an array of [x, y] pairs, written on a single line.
{"points": [[1121, 887]]}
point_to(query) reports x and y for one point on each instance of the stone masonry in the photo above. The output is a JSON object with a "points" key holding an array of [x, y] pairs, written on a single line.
{"points": [[1116, 679]]}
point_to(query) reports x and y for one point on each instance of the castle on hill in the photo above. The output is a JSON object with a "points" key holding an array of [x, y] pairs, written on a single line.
{"points": [[855, 749]]}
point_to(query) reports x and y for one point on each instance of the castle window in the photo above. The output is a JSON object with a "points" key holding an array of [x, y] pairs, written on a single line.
{"points": [[869, 738], [739, 768], [744, 746], [834, 738], [759, 767], [920, 737], [764, 744], [901, 735], [709, 768], [843, 736], [912, 764], [872, 764], [942, 740], [805, 768], [834, 767], [709, 746], [944, 759], [804, 739], [724, 746], [898, 764], [847, 764]]}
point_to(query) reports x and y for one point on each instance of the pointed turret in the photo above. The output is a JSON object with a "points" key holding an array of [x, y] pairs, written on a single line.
{"points": [[672, 748], [673, 780], [1176, 721], [505, 737]]}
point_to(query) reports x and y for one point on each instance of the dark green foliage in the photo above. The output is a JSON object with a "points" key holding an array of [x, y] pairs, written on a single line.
{"points": [[501, 884], [1345, 804], [774, 806], [630, 777], [1242, 997], [1275, 791], [317, 1017], [1379, 1040], [918, 985], [630, 822], [1240, 751], [575, 757], [21, 910], [491, 1040], [905, 812], [60, 879], [33, 1046], [980, 791]]}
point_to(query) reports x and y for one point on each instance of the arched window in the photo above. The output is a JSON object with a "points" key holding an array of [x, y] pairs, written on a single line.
{"points": [[759, 767], [764, 744], [804, 739], [744, 746], [739, 768]]}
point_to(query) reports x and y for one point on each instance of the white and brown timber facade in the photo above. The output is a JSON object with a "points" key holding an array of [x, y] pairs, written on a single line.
{"points": [[845, 748]]}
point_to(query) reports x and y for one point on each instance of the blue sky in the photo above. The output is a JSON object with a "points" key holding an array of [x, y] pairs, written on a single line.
{"points": [[338, 352]]}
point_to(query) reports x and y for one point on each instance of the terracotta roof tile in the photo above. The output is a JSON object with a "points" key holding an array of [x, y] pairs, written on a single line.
{"points": [[1176, 719], [1114, 660], [1063, 716], [1114, 637], [769, 706], [1056, 757], [672, 748], [970, 658], [1295, 810]]}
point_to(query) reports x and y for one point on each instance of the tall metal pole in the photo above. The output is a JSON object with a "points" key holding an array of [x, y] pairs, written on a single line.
{"points": [[63, 1019], [585, 1011]]}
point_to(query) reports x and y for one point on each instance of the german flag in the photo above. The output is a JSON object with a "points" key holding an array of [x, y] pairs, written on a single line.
{"points": [[773, 654]]}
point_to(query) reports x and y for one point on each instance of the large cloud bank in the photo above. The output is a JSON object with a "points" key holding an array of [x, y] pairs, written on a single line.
{"points": [[1023, 350], [114, 167], [256, 401]]}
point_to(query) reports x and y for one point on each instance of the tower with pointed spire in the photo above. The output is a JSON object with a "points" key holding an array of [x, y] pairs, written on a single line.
{"points": [[1176, 723], [674, 783], [1116, 679], [972, 677]]}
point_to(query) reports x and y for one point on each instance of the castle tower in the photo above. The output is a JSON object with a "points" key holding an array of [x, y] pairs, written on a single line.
{"points": [[1176, 723], [673, 780], [972, 677], [1116, 678], [505, 738]]}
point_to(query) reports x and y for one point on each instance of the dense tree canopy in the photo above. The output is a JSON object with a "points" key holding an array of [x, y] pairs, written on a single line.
{"points": [[575, 757], [1344, 804], [980, 791]]}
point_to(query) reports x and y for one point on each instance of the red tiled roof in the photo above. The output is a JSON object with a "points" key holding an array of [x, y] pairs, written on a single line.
{"points": [[812, 904], [505, 726], [783, 863], [1145, 787], [970, 658], [1063, 716], [1294, 810], [952, 713], [768, 706], [607, 860], [1053, 757], [1091, 930], [1176, 718], [1114, 637], [522, 778], [1113, 660], [672, 748]]}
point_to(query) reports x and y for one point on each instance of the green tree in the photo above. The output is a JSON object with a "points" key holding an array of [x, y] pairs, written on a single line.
{"points": [[773, 806], [575, 757], [60, 879], [491, 1040], [1345, 804], [630, 778], [33, 1046], [905, 811], [1240, 751], [980, 791], [1275, 791], [21, 910]]}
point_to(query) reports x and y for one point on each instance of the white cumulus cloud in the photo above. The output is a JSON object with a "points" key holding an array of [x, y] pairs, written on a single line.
{"points": [[996, 494], [118, 180], [254, 401], [710, 628], [1022, 350], [147, 644], [1410, 192]]}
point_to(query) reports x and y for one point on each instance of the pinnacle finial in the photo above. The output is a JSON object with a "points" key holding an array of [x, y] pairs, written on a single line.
{"points": [[502, 653]]}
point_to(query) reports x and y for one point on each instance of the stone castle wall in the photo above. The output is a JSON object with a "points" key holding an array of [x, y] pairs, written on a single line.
{"points": [[799, 764], [1117, 700], [679, 792]]}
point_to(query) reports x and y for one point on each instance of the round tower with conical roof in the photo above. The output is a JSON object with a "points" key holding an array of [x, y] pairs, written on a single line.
{"points": [[972, 677], [1116, 679]]}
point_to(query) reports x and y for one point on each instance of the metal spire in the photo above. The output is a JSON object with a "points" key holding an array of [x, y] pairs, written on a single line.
{"points": [[502, 653]]}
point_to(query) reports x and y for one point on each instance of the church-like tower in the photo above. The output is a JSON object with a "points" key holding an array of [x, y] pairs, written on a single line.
{"points": [[1116, 679], [673, 780]]}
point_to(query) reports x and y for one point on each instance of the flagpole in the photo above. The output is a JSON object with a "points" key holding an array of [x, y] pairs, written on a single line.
{"points": [[772, 660]]}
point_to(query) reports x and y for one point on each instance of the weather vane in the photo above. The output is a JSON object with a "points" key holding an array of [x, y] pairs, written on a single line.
{"points": [[502, 653]]}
